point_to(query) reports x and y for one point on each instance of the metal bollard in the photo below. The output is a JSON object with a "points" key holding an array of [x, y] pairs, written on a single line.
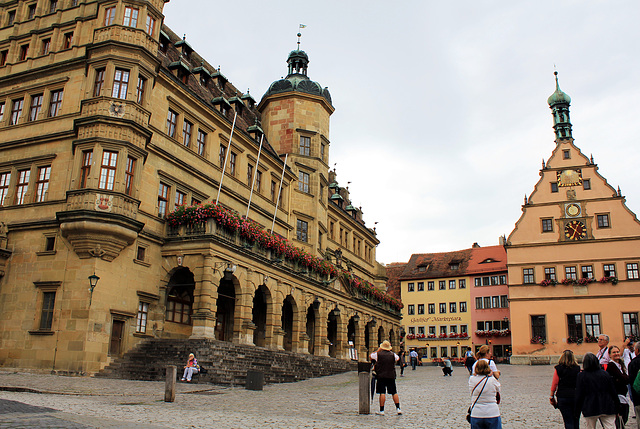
{"points": [[363, 387], [255, 380], [170, 384]]}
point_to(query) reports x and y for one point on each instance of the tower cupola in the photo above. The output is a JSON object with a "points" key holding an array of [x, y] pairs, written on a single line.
{"points": [[559, 104]]}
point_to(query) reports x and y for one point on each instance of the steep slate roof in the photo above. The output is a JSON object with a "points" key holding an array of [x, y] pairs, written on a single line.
{"points": [[487, 260], [438, 265], [394, 270]]}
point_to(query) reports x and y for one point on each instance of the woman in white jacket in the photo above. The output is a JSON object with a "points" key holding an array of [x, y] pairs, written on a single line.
{"points": [[485, 394]]}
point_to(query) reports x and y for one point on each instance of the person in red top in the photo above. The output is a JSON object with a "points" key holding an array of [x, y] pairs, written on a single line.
{"points": [[385, 367]]}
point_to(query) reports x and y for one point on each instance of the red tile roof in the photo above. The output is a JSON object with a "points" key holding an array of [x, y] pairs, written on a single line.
{"points": [[437, 265], [487, 259], [394, 271]]}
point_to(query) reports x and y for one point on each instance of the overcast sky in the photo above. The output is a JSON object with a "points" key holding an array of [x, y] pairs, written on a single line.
{"points": [[441, 120]]}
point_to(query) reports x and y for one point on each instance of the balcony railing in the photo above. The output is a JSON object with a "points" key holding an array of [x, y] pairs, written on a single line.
{"points": [[102, 201], [128, 35]]}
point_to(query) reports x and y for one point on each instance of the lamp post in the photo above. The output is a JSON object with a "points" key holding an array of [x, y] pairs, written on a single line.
{"points": [[93, 281]]}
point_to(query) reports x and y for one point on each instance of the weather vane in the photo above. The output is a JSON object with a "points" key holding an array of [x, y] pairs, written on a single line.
{"points": [[300, 34]]}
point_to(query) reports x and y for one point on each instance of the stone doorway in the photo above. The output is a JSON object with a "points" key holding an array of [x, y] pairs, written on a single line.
{"points": [[311, 329], [287, 322], [259, 318], [332, 332], [225, 310], [115, 342]]}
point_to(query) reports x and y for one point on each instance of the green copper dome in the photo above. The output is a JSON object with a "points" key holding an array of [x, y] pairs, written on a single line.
{"points": [[558, 96]]}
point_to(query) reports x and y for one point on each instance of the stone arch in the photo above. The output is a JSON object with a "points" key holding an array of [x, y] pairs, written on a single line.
{"points": [[180, 296], [381, 336], [311, 326], [288, 321], [227, 303], [262, 302], [333, 323], [392, 339]]}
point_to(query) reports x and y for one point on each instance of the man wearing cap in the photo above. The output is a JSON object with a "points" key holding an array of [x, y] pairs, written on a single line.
{"points": [[385, 366]]}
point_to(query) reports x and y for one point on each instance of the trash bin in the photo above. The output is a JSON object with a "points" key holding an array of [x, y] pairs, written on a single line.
{"points": [[255, 380]]}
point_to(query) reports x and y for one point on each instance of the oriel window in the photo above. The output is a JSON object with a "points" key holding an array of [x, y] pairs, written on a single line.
{"points": [[108, 170], [85, 170], [130, 17], [42, 185], [128, 175], [120, 84]]}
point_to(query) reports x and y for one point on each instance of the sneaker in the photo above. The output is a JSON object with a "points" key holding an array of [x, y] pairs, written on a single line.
{"points": [[182, 379], [380, 413], [399, 411]]}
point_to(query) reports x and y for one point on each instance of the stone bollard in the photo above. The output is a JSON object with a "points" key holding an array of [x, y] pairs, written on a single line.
{"points": [[170, 384], [364, 387], [255, 380]]}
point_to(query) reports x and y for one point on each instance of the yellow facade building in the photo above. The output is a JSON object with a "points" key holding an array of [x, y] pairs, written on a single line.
{"points": [[125, 157], [573, 256]]}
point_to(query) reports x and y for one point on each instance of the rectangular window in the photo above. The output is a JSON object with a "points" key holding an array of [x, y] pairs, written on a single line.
{"points": [[128, 175], [120, 84], [23, 185], [411, 309], [592, 325], [586, 184], [109, 15], [504, 301], [632, 270], [42, 185], [478, 303], [410, 287], [303, 182], [503, 279], [108, 170], [434, 352], [494, 280], [554, 186], [609, 270], [420, 328], [420, 286], [151, 25], [452, 307], [566, 154], [486, 281], [570, 273], [85, 170], [3, 57], [463, 306], [420, 308], [452, 284], [630, 324], [527, 276], [12, 17], [249, 174], [477, 281], [443, 307], [538, 328], [163, 199], [186, 132], [130, 17], [587, 271], [443, 330], [486, 302], [550, 273], [140, 89], [305, 145], [36, 105], [442, 285], [432, 308], [462, 284], [1, 111], [201, 142], [141, 320], [603, 220], [53, 5], [412, 330], [5, 178], [547, 225], [56, 103], [46, 315], [16, 111], [180, 198], [46, 46], [32, 12], [301, 230], [574, 327], [232, 163], [495, 302], [430, 285], [221, 156], [172, 120], [97, 85], [68, 40]]}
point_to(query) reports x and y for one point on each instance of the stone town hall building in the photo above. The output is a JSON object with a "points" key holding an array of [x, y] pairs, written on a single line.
{"points": [[108, 123]]}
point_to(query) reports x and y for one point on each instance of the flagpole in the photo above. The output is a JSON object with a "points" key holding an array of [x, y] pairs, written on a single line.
{"points": [[279, 190], [226, 156], [255, 174]]}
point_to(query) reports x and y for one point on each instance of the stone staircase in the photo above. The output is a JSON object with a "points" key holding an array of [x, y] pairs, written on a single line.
{"points": [[226, 363]]}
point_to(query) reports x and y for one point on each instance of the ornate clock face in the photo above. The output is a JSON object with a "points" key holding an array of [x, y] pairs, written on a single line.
{"points": [[569, 177], [575, 230], [572, 210]]}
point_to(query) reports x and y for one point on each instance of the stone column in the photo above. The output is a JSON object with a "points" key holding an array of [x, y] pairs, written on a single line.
{"points": [[243, 324], [342, 348], [359, 343], [273, 337], [322, 342], [206, 295], [278, 339]]}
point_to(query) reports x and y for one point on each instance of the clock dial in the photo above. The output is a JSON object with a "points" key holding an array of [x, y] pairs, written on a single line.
{"points": [[572, 210], [569, 177], [575, 230]]}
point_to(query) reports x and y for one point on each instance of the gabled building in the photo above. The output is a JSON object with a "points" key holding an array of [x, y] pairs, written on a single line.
{"points": [[573, 255], [143, 195]]}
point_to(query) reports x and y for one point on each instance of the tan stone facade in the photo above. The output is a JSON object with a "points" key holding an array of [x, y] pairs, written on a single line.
{"points": [[109, 122]]}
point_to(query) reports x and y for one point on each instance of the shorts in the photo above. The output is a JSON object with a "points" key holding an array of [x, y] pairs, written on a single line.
{"points": [[386, 385]]}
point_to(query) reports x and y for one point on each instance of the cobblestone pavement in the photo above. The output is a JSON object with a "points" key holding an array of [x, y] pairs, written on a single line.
{"points": [[428, 400]]}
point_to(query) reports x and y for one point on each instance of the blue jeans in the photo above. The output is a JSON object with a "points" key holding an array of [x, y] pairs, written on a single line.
{"points": [[414, 362], [486, 423], [568, 410]]}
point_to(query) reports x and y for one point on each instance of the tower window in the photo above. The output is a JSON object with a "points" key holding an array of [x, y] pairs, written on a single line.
{"points": [[586, 184], [554, 186], [566, 154], [305, 145]]}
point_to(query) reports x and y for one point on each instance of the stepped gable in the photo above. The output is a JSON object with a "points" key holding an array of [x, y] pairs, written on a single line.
{"points": [[394, 271], [226, 363], [434, 265], [487, 259], [207, 93]]}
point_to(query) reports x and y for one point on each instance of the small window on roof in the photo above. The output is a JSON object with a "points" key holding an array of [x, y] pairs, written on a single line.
{"points": [[454, 266]]}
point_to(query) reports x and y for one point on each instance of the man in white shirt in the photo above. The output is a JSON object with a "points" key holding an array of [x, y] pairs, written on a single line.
{"points": [[603, 353], [413, 354]]}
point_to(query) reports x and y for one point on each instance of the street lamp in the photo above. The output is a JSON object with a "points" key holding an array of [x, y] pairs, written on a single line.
{"points": [[93, 281]]}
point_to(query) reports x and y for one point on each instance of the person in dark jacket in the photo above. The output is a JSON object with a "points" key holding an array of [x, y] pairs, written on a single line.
{"points": [[563, 389], [385, 367], [596, 395], [634, 368], [620, 380]]}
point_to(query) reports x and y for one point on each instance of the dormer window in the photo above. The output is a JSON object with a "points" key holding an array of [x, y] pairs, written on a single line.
{"points": [[237, 104], [185, 48], [454, 266], [164, 42], [182, 70], [222, 104], [488, 260], [219, 79]]}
